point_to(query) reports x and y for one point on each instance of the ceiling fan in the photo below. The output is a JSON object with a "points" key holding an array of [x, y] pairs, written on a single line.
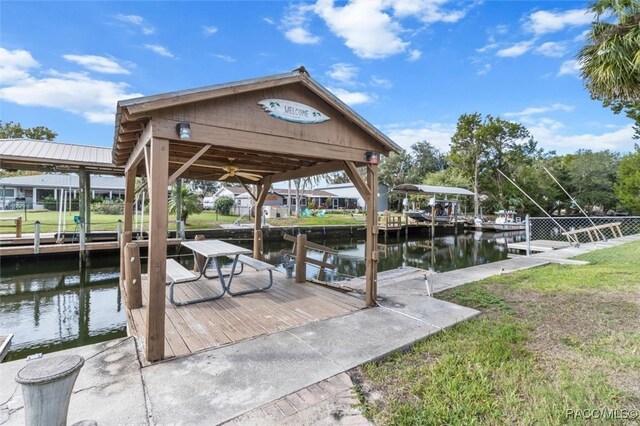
{"points": [[234, 171]]}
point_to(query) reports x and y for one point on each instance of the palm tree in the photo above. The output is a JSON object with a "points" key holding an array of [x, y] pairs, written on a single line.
{"points": [[610, 60], [190, 202]]}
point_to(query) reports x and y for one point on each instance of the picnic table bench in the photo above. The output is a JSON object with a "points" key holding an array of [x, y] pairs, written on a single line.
{"points": [[211, 250], [613, 227]]}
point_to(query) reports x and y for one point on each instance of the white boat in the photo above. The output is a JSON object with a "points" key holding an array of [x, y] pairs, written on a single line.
{"points": [[506, 220]]}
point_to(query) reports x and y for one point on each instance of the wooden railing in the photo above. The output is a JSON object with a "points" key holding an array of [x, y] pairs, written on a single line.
{"points": [[18, 223], [299, 253], [595, 231]]}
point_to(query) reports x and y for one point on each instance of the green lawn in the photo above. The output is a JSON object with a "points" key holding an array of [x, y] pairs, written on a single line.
{"points": [[205, 220], [551, 339]]}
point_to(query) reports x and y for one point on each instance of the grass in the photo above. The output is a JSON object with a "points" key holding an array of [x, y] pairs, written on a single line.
{"points": [[204, 220], [551, 339]]}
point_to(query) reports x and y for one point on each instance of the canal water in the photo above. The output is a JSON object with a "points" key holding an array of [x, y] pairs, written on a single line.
{"points": [[49, 305]]}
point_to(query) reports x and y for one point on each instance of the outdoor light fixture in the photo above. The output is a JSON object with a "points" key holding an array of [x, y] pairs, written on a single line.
{"points": [[371, 157], [183, 130]]}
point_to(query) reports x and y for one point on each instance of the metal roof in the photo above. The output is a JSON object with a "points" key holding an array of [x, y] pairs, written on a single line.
{"points": [[31, 154], [63, 180], [408, 188]]}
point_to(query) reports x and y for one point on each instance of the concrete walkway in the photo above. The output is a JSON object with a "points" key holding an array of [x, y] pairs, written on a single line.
{"points": [[221, 384]]}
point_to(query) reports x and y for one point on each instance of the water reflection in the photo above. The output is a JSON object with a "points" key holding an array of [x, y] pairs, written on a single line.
{"points": [[48, 305]]}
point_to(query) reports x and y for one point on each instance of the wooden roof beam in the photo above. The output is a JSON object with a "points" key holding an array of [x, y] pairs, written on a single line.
{"points": [[188, 164], [317, 169], [351, 171], [138, 150]]}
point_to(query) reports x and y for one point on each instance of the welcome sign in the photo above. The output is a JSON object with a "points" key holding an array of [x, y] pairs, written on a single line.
{"points": [[292, 111]]}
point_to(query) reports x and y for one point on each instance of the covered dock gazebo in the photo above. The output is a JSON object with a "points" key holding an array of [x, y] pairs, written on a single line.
{"points": [[255, 132]]}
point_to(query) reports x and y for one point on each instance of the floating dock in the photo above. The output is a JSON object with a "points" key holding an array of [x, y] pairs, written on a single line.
{"points": [[539, 245]]}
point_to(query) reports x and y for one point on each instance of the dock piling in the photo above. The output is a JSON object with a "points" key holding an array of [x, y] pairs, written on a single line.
{"points": [[36, 237]]}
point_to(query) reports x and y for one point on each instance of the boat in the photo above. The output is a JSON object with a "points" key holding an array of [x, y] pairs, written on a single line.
{"points": [[506, 220], [422, 216]]}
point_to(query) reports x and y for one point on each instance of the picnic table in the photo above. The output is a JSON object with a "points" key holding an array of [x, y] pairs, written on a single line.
{"points": [[212, 251]]}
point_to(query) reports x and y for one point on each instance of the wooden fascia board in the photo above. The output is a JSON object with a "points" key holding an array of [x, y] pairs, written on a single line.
{"points": [[316, 169], [221, 137], [138, 150], [152, 105]]}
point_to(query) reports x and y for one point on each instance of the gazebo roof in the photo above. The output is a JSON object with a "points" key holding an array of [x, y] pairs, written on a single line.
{"points": [[241, 134], [408, 188]]}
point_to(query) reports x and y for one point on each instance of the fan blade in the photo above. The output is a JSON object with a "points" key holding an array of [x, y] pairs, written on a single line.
{"points": [[250, 176], [224, 177]]}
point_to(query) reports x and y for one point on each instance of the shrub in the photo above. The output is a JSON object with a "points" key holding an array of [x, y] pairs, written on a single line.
{"points": [[223, 205], [115, 207]]}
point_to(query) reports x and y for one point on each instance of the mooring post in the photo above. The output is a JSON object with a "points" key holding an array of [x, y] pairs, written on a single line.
{"points": [[198, 258], [119, 231], [455, 218], [301, 258], [133, 280], [83, 249], [126, 238], [36, 237], [527, 227], [19, 225]]}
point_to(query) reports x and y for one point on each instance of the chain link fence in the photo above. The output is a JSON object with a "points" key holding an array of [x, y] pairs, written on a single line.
{"points": [[544, 228]]}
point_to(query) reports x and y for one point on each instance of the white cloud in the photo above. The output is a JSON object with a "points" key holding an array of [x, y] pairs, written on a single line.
{"points": [[484, 69], [344, 73], [209, 30], [364, 25], [352, 98], [15, 65], [546, 135], [295, 24], [406, 134], [570, 67], [225, 58], [517, 49], [78, 93], [428, 11], [160, 50], [269, 21], [414, 55], [540, 110], [489, 46], [381, 82], [582, 36], [544, 21], [553, 49], [97, 64], [137, 21]]}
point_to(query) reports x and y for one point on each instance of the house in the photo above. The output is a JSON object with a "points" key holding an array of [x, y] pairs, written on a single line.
{"points": [[17, 190], [346, 196]]}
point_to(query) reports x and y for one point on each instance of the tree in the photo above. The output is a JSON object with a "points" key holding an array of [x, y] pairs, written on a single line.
{"points": [[190, 202], [224, 204], [611, 58], [628, 186], [425, 159], [468, 149], [9, 130], [592, 176], [336, 178]]}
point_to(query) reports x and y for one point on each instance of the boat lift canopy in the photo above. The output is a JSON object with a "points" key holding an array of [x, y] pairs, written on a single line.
{"points": [[409, 188]]}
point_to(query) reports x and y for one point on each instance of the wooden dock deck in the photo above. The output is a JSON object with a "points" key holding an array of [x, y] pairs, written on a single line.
{"points": [[539, 245], [206, 325], [72, 247]]}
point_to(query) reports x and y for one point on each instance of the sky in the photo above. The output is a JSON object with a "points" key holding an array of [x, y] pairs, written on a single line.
{"points": [[409, 67]]}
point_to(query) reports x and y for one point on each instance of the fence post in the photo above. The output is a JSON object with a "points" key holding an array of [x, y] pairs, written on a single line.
{"points": [[19, 225], [36, 237], [133, 284], [527, 228], [301, 258]]}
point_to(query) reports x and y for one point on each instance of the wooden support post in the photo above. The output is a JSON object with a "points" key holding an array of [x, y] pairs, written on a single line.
{"points": [[19, 227], [301, 258], [433, 217], [201, 258], [157, 267], [371, 248], [86, 199], [455, 218], [83, 246], [262, 190], [129, 194], [257, 244], [133, 281]]}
